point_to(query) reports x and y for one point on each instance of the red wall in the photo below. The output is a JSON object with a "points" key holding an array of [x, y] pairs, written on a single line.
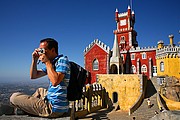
{"points": [[98, 53], [138, 55]]}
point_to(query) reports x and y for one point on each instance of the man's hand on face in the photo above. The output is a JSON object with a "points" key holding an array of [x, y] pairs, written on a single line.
{"points": [[43, 58]]}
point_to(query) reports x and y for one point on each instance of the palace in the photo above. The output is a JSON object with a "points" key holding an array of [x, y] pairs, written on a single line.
{"points": [[126, 57]]}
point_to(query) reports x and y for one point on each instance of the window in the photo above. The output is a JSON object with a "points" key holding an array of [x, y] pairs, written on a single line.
{"points": [[154, 69], [144, 55], [133, 69], [133, 56], [122, 56], [122, 40], [144, 69], [95, 65], [162, 66], [123, 22]]}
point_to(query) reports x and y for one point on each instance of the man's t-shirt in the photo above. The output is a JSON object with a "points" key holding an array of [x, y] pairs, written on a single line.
{"points": [[57, 95]]}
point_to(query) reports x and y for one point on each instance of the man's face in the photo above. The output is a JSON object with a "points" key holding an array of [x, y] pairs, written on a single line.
{"points": [[48, 52]]}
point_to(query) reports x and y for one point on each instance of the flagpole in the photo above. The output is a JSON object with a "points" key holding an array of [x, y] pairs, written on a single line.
{"points": [[131, 5]]}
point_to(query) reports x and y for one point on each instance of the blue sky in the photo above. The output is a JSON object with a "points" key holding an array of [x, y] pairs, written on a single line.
{"points": [[75, 24]]}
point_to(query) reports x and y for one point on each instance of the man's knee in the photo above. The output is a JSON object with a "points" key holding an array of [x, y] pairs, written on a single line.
{"points": [[13, 97]]}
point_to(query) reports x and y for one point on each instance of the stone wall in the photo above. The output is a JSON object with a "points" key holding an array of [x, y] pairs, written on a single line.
{"points": [[128, 88]]}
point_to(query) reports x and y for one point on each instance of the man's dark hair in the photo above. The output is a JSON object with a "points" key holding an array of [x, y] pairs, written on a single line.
{"points": [[52, 43]]}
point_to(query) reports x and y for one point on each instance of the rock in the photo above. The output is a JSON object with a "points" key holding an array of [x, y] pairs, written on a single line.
{"points": [[6, 109]]}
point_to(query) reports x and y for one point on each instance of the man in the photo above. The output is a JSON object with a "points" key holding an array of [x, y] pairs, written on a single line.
{"points": [[52, 102], [149, 103]]}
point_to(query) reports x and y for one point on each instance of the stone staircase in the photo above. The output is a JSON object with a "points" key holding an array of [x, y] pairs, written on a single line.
{"points": [[143, 112]]}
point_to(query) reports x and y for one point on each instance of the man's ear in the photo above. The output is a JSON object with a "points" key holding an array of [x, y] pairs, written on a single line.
{"points": [[53, 50]]}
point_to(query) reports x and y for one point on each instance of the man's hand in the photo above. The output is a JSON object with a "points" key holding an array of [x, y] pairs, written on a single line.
{"points": [[35, 55], [43, 58], [34, 73]]}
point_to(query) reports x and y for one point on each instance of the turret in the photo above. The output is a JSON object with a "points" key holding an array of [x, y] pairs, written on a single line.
{"points": [[133, 18], [116, 15], [129, 11], [160, 44]]}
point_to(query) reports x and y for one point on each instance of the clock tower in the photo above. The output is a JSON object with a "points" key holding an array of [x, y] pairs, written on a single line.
{"points": [[126, 35]]}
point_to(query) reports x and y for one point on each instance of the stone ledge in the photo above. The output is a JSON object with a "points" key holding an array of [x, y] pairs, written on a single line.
{"points": [[26, 117], [167, 115], [7, 113]]}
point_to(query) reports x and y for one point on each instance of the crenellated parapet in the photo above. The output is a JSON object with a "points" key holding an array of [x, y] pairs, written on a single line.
{"points": [[100, 44], [169, 51], [139, 49], [122, 14]]}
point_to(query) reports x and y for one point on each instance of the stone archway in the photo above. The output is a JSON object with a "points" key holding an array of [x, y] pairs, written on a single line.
{"points": [[115, 97], [114, 69]]}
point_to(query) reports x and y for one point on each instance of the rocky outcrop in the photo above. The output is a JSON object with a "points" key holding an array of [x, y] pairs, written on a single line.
{"points": [[171, 88]]}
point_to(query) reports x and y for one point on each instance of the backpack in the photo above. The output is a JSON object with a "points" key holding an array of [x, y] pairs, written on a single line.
{"points": [[77, 81]]}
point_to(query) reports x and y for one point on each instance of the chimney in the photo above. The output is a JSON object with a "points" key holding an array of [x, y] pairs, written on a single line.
{"points": [[171, 39]]}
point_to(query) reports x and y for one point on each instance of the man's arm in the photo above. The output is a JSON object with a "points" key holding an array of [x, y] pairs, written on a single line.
{"points": [[34, 73], [54, 77]]}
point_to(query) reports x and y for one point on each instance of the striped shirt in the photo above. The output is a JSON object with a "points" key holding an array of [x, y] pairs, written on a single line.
{"points": [[57, 95]]}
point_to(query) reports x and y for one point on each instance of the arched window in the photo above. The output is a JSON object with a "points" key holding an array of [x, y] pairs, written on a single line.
{"points": [[144, 69], [162, 66], [122, 56], [133, 69], [95, 65], [114, 69], [122, 38]]}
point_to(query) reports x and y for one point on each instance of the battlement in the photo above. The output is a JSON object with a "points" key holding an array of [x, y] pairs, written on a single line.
{"points": [[140, 49], [168, 51], [122, 14], [100, 44]]}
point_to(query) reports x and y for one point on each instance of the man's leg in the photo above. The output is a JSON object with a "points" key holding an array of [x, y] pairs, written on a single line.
{"points": [[40, 93], [32, 104]]}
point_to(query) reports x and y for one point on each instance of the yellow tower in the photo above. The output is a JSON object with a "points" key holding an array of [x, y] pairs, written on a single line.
{"points": [[168, 59]]}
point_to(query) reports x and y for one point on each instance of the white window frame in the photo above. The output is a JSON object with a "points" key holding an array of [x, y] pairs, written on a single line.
{"points": [[123, 39], [133, 69], [95, 64], [144, 55], [133, 56], [122, 56], [162, 66], [144, 68]]}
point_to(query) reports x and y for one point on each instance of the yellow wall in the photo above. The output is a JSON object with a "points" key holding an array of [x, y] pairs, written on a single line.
{"points": [[127, 86], [172, 105], [171, 66]]}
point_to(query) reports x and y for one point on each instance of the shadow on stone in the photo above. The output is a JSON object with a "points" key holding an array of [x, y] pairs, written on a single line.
{"points": [[150, 89], [99, 115]]}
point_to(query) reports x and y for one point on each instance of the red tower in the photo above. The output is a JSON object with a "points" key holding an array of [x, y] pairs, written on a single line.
{"points": [[125, 32], [135, 59]]}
